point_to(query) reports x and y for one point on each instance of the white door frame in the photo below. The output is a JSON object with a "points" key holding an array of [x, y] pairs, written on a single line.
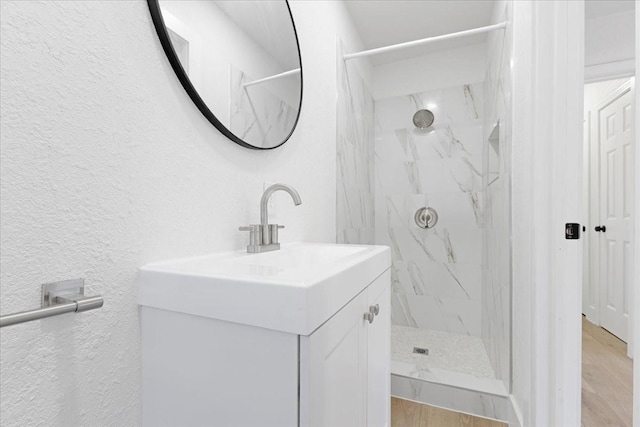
{"points": [[563, 90], [591, 247], [591, 182], [566, 194], [634, 331], [635, 294], [548, 85]]}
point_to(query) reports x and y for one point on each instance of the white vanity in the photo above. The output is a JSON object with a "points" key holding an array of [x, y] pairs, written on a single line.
{"points": [[294, 337]]}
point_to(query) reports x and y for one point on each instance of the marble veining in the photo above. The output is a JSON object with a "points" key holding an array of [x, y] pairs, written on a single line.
{"points": [[470, 101], [437, 271], [257, 114], [496, 233], [355, 157], [453, 279]]}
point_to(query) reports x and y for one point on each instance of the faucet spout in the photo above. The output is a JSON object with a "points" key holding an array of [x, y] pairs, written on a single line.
{"points": [[263, 237], [264, 214]]}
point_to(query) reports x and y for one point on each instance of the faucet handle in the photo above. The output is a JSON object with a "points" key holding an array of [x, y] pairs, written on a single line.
{"points": [[273, 232], [255, 233], [251, 227]]}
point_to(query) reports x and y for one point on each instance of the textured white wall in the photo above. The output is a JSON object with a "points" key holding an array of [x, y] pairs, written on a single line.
{"points": [[106, 165]]}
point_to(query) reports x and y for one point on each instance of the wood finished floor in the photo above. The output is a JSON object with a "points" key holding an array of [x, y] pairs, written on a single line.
{"points": [[405, 413], [607, 379], [607, 384]]}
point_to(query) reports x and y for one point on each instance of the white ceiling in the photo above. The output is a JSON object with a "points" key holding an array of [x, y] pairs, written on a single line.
{"points": [[597, 8], [386, 22], [268, 23]]}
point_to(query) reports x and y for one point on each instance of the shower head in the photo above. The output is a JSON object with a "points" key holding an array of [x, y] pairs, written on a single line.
{"points": [[423, 119]]}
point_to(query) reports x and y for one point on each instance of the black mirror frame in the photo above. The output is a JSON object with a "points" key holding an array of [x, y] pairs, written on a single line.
{"points": [[163, 35]]}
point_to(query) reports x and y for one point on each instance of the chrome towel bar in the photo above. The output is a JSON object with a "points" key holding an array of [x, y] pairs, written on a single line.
{"points": [[57, 298]]}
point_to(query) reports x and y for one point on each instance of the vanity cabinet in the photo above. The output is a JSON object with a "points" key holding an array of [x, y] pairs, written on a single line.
{"points": [[201, 371], [345, 364]]}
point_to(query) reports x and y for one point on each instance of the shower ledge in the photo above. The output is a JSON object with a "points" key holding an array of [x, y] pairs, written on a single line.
{"points": [[449, 378]]}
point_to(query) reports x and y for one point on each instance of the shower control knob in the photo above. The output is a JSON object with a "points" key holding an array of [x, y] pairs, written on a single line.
{"points": [[426, 218], [602, 228], [369, 316]]}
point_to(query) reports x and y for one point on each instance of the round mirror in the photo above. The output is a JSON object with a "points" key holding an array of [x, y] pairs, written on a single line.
{"points": [[239, 61]]}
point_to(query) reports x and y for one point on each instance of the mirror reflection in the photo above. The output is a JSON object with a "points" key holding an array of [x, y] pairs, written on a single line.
{"points": [[242, 60]]}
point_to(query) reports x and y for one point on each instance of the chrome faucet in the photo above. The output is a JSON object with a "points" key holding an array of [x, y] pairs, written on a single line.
{"points": [[263, 237]]}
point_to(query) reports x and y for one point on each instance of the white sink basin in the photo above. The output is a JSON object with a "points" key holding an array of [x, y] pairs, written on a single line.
{"points": [[294, 289]]}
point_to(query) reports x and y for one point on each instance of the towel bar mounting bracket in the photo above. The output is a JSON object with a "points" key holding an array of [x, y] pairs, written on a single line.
{"points": [[55, 292]]}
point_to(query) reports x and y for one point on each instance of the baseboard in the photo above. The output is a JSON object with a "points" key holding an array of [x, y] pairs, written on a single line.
{"points": [[515, 415]]}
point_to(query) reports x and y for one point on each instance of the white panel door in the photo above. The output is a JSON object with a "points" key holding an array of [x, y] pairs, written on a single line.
{"points": [[333, 366], [615, 134], [379, 354]]}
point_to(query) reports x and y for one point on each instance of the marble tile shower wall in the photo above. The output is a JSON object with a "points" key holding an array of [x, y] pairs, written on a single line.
{"points": [[496, 250], [355, 157], [436, 273], [258, 114]]}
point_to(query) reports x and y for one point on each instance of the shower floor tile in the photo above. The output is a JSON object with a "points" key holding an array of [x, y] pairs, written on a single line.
{"points": [[456, 360]]}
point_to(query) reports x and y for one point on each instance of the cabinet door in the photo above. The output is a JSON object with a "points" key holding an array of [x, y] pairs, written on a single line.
{"points": [[333, 370], [379, 354]]}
